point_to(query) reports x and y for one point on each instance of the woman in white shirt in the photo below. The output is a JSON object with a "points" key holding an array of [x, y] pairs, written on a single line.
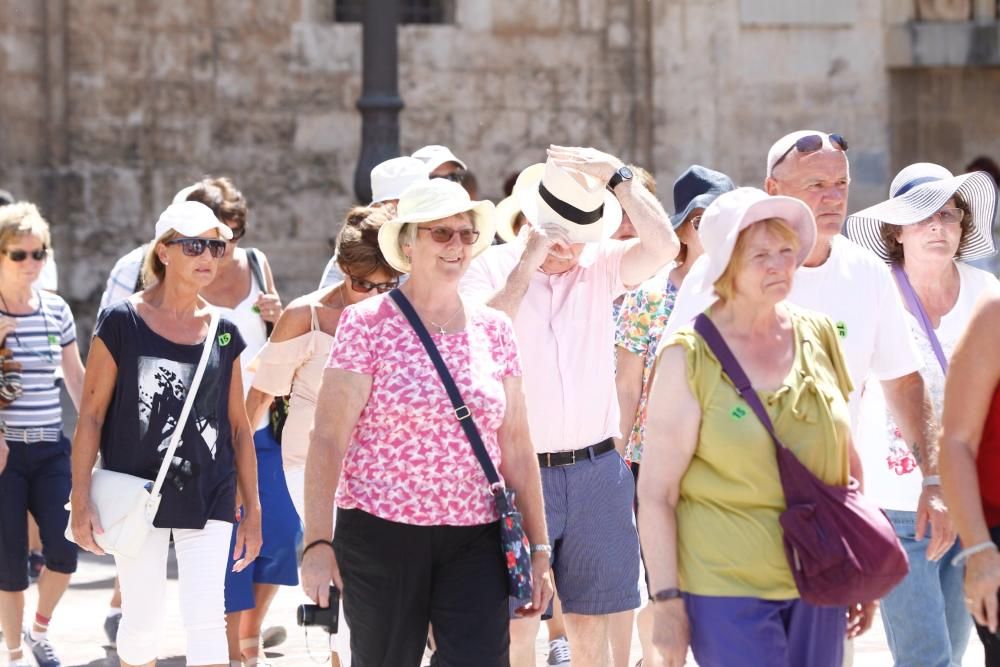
{"points": [[930, 227]]}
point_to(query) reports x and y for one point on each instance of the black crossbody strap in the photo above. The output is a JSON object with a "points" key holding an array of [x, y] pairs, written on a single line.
{"points": [[462, 413]]}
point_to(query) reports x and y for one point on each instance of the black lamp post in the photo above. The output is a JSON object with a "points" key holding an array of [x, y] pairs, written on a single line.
{"points": [[380, 101]]}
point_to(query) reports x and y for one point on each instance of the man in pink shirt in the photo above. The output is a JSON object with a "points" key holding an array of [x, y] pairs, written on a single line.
{"points": [[558, 282]]}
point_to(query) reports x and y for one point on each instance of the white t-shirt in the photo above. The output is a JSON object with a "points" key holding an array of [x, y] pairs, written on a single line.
{"points": [[856, 290], [892, 477]]}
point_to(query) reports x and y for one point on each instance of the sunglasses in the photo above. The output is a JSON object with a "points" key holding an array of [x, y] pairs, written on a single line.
{"points": [[365, 286], [810, 144], [948, 216], [458, 176], [21, 255], [194, 247], [695, 222], [445, 234]]}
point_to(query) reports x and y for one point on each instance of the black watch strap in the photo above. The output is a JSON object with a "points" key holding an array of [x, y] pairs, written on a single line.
{"points": [[666, 594], [623, 174]]}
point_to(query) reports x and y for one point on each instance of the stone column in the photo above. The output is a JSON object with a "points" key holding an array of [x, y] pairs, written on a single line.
{"points": [[380, 102]]}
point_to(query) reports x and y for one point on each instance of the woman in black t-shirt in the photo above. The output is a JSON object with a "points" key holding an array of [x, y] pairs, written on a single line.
{"points": [[141, 364]]}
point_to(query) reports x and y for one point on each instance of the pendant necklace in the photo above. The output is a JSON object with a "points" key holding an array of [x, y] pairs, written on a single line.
{"points": [[441, 327]]}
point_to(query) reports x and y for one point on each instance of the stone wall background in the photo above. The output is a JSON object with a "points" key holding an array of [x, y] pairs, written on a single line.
{"points": [[108, 107]]}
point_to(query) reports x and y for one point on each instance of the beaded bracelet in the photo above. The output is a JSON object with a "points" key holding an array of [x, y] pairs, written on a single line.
{"points": [[964, 554]]}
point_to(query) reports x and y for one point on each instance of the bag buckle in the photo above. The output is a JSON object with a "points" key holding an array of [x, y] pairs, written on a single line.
{"points": [[463, 412]]}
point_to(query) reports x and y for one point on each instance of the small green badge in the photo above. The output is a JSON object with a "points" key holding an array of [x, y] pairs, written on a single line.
{"points": [[53, 339], [842, 329], [224, 339], [739, 412]]}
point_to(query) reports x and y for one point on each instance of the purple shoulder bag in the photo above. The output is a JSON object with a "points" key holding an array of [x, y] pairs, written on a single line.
{"points": [[840, 546]]}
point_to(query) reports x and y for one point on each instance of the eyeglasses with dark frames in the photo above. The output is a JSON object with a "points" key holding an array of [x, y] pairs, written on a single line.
{"points": [[444, 234], [20, 255], [458, 176], [364, 286], [810, 144], [194, 247]]}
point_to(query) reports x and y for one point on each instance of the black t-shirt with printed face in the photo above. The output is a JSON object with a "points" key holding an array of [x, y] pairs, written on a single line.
{"points": [[153, 376]]}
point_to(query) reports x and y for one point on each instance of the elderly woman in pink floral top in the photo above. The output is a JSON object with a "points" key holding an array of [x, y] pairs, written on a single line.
{"points": [[417, 537]]}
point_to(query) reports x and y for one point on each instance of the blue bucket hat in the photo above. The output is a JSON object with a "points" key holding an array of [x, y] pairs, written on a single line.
{"points": [[697, 187]]}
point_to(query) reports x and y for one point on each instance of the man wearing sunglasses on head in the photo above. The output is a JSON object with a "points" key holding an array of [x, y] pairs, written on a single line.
{"points": [[854, 287]]}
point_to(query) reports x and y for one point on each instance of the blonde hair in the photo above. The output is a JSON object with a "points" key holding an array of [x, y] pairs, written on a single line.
{"points": [[153, 269], [22, 219], [725, 285]]}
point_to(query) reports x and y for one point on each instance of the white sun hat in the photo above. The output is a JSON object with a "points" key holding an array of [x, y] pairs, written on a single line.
{"points": [[919, 191], [587, 210], [721, 224], [434, 199], [391, 177], [190, 219], [508, 209], [434, 156]]}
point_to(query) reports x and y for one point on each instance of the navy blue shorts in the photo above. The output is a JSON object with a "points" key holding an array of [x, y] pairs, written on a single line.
{"points": [[595, 546], [36, 479], [281, 528]]}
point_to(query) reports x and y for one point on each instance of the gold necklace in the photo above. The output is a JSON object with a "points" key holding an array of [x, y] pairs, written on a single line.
{"points": [[441, 327]]}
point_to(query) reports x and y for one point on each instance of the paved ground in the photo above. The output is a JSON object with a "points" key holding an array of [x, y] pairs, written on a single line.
{"points": [[79, 638]]}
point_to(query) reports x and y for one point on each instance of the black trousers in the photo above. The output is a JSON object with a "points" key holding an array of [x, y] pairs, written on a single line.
{"points": [[991, 642], [399, 578]]}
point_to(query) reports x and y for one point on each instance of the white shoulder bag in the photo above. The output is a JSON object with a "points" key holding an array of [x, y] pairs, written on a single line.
{"points": [[125, 504]]}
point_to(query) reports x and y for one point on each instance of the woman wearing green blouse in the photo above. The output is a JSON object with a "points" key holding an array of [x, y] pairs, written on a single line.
{"points": [[710, 489]]}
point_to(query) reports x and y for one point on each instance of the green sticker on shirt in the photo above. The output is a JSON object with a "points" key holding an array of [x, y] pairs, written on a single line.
{"points": [[53, 339], [224, 339], [842, 329], [739, 412]]}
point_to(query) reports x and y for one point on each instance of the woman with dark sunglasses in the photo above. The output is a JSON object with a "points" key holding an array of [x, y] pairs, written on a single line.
{"points": [[293, 359], [141, 365], [38, 337], [244, 291]]}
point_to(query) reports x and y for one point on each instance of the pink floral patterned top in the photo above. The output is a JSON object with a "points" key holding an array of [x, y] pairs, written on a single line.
{"points": [[409, 460]]}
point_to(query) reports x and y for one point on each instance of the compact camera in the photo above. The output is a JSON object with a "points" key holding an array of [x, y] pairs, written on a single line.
{"points": [[327, 618]]}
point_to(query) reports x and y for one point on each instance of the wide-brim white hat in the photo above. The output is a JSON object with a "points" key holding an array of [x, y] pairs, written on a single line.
{"points": [[190, 219], [434, 199], [588, 211], [919, 191], [508, 209], [390, 178], [721, 224]]}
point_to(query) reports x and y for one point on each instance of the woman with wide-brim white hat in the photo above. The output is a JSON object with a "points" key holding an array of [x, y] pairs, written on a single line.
{"points": [[932, 224], [417, 535], [710, 490]]}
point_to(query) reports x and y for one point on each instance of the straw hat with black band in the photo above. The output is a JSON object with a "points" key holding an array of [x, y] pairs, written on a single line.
{"points": [[578, 203]]}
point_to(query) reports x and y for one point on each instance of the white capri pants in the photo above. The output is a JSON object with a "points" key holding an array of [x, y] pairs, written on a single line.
{"points": [[295, 479], [202, 557]]}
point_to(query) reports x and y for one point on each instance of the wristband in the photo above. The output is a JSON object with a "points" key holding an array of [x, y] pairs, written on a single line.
{"points": [[666, 594], [964, 554], [931, 480], [316, 543]]}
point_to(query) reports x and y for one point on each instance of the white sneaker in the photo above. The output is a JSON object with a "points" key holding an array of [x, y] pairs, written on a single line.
{"points": [[558, 653]]}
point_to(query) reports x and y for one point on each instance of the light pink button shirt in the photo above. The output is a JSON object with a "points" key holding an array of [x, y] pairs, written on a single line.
{"points": [[565, 333]]}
